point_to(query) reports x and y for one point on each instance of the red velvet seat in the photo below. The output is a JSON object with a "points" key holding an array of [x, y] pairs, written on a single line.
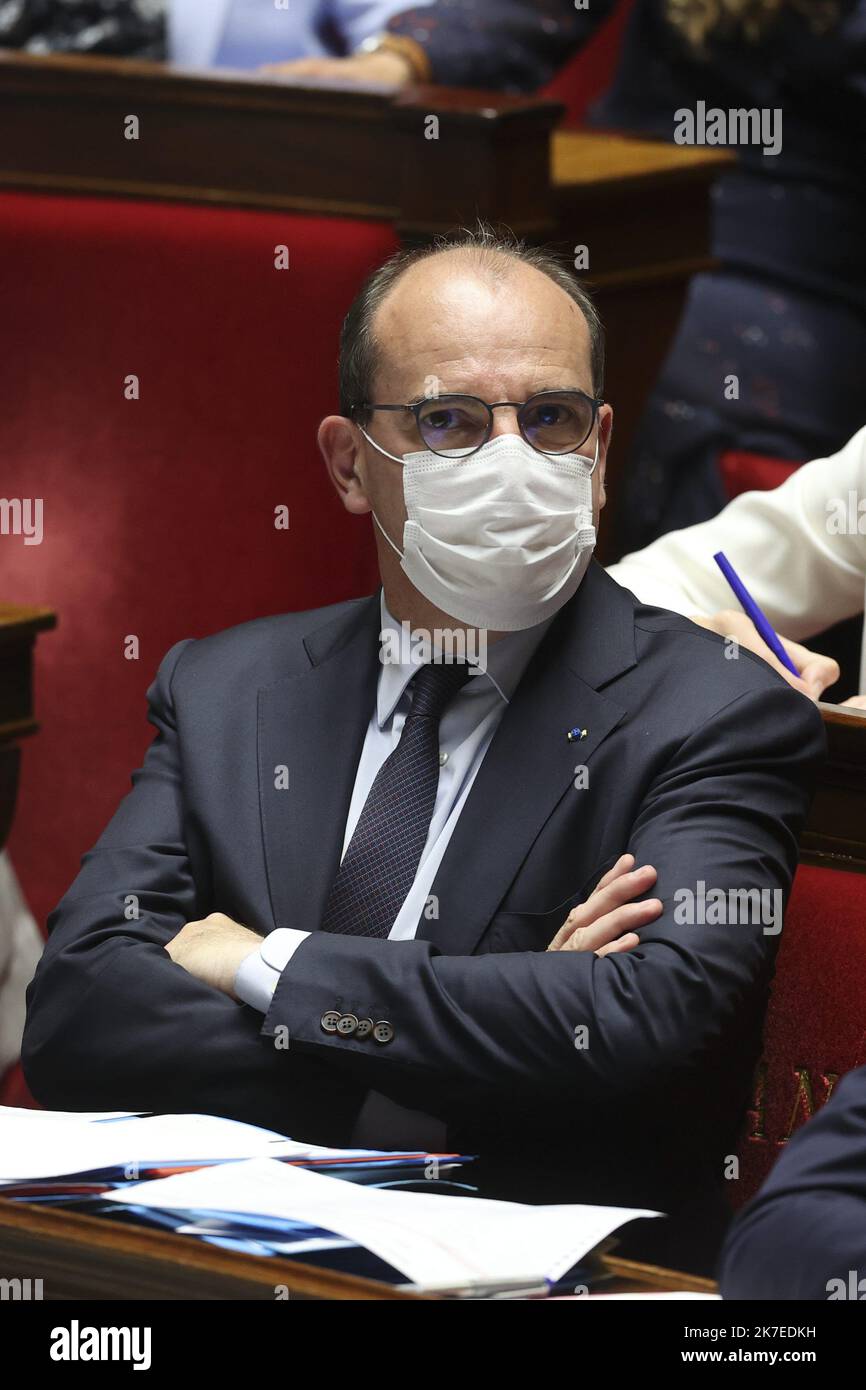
{"points": [[815, 1029], [745, 472], [159, 512]]}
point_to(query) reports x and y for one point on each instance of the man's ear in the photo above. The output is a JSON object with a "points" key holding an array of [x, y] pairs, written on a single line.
{"points": [[341, 445], [605, 430]]}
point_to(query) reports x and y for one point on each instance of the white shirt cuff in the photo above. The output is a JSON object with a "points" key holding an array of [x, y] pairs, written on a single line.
{"points": [[259, 973]]}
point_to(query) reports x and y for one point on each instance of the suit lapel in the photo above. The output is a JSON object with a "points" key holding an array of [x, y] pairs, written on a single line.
{"points": [[313, 724], [530, 763]]}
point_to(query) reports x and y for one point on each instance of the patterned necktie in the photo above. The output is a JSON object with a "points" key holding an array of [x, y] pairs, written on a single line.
{"points": [[382, 857]]}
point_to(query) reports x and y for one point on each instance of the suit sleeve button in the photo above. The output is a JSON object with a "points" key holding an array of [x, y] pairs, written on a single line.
{"points": [[347, 1024], [364, 1028], [330, 1020], [383, 1031]]}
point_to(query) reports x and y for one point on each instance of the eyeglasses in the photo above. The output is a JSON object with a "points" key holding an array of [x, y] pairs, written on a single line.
{"points": [[552, 422]]}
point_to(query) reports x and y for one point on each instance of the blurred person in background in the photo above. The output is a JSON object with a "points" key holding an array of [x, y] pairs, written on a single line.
{"points": [[124, 28], [785, 312], [249, 33], [195, 33]]}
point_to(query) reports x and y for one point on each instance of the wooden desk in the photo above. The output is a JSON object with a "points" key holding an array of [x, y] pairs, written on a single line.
{"points": [[83, 1257], [312, 146], [352, 150], [18, 629]]}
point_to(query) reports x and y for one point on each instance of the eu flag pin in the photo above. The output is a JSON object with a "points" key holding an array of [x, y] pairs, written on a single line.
{"points": [[575, 735]]}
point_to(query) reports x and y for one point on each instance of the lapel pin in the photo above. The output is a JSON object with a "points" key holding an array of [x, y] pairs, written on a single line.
{"points": [[575, 735]]}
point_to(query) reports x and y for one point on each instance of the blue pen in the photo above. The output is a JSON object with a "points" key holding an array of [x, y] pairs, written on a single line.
{"points": [[754, 612]]}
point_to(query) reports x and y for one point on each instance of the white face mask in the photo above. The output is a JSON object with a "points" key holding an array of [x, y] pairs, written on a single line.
{"points": [[500, 540]]}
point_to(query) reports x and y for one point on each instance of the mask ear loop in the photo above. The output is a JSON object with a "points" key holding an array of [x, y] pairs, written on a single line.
{"points": [[595, 459], [378, 447], [375, 518]]}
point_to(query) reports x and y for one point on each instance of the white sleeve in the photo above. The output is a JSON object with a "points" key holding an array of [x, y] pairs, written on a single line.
{"points": [[800, 550], [259, 973]]}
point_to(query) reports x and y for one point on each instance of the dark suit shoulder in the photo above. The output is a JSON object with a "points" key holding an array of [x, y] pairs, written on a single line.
{"points": [[262, 650], [721, 667]]}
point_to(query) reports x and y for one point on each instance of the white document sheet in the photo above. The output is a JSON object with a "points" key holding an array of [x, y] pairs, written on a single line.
{"points": [[47, 1144], [433, 1239], [27, 1116]]}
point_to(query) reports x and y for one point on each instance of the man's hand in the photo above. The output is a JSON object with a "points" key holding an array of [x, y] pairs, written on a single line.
{"points": [[387, 67], [816, 672], [607, 921], [213, 949]]}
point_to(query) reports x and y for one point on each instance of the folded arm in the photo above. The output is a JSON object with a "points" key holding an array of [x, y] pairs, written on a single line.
{"points": [[480, 1029], [114, 1023]]}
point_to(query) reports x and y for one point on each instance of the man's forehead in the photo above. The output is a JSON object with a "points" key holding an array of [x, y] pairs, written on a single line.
{"points": [[452, 283], [457, 321]]}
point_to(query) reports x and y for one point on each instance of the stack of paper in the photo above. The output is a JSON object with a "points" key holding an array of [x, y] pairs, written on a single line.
{"points": [[251, 1189], [38, 1144], [435, 1240]]}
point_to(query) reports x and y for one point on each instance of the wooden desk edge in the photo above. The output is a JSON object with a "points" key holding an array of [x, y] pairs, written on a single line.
{"points": [[15, 616], [62, 1230], [48, 1228], [643, 1278]]}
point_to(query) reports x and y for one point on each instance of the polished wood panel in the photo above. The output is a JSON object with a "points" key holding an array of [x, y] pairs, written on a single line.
{"points": [[317, 146], [631, 1276], [322, 145]]}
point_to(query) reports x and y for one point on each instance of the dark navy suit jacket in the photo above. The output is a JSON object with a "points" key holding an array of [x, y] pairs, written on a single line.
{"points": [[696, 763], [804, 1235]]}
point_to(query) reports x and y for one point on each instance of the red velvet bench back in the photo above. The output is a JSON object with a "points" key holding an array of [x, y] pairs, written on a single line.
{"points": [[159, 512]]}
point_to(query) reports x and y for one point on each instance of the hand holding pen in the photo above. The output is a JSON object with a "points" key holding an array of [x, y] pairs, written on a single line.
{"points": [[809, 672]]}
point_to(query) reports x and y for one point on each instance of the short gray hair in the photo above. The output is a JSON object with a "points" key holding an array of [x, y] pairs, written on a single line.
{"points": [[359, 351]]}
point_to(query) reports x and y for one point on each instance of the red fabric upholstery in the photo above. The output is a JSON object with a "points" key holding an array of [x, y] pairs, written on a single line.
{"points": [[14, 1090], [815, 1029], [159, 512], [590, 71], [744, 472]]}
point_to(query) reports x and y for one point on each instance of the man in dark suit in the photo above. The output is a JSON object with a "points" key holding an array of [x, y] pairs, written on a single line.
{"points": [[804, 1235], [410, 842]]}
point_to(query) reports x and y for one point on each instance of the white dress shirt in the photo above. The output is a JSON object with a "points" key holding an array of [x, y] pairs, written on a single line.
{"points": [[465, 733], [800, 550]]}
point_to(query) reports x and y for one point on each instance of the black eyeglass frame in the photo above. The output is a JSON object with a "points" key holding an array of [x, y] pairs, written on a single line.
{"points": [[415, 407]]}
